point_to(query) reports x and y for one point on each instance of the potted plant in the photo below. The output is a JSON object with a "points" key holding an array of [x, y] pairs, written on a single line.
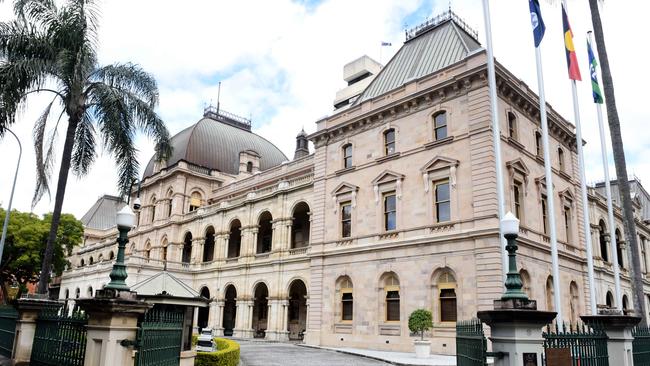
{"points": [[419, 322]]}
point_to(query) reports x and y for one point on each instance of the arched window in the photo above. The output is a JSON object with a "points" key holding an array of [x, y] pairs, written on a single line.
{"points": [[609, 300], [300, 226], [619, 248], [90, 291], [347, 156], [111, 255], [575, 301], [560, 158], [525, 283], [602, 239], [625, 303], [447, 295], [538, 144], [82, 263], [195, 201], [187, 248], [170, 197], [550, 293], [208, 247], [344, 286], [249, 167], [234, 239], [440, 125], [265, 233], [391, 290], [512, 126], [389, 141], [153, 208], [77, 293], [91, 261], [147, 251]]}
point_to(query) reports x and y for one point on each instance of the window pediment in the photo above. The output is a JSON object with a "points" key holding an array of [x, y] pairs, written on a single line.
{"points": [[517, 166], [388, 177], [439, 162], [344, 188], [438, 167], [343, 192]]}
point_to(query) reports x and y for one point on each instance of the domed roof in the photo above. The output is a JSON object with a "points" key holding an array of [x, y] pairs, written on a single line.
{"points": [[216, 144]]}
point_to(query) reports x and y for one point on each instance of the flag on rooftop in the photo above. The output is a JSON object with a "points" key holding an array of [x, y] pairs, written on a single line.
{"points": [[595, 87], [536, 19], [571, 58]]}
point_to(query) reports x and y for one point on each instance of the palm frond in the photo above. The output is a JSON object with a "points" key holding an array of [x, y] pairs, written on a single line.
{"points": [[83, 153], [129, 78], [43, 164]]}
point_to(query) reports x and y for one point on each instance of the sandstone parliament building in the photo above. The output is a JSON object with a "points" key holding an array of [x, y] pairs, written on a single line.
{"points": [[393, 209]]}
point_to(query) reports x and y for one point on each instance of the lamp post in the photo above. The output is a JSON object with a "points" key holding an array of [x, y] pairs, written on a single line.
{"points": [[510, 229], [11, 197], [125, 221]]}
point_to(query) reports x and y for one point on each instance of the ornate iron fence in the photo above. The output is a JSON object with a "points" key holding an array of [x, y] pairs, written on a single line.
{"points": [[159, 338], [641, 346], [8, 317], [60, 338], [471, 345], [584, 345]]}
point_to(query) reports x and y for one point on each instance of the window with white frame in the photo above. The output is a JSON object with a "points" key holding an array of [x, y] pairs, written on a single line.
{"points": [[390, 211], [347, 156], [389, 141], [440, 125], [442, 201]]}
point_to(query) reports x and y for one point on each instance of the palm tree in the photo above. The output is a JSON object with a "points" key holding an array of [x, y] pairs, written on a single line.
{"points": [[619, 161], [53, 50]]}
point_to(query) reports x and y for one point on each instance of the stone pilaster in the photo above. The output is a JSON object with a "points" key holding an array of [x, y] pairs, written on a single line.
{"points": [[217, 324], [619, 336], [197, 250], [28, 309]]}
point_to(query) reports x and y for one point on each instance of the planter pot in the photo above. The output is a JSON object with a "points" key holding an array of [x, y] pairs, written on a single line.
{"points": [[422, 349]]}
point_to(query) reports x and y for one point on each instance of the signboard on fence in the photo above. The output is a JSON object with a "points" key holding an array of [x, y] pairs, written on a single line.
{"points": [[558, 357]]}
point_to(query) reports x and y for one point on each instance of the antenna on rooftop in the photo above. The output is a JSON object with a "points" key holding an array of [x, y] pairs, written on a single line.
{"points": [[218, 96]]}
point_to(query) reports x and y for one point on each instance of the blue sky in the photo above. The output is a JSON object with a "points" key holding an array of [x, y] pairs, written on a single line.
{"points": [[281, 63]]}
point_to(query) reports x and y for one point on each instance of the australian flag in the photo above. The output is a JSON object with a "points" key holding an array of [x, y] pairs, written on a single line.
{"points": [[536, 19]]}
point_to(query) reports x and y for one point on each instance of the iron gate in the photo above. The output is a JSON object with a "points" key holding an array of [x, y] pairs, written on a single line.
{"points": [[471, 345], [8, 317], [641, 346], [60, 338], [160, 338], [586, 345]]}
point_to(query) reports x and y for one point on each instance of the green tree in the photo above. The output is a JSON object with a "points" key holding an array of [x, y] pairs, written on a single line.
{"points": [[420, 321], [620, 164], [52, 50], [26, 242]]}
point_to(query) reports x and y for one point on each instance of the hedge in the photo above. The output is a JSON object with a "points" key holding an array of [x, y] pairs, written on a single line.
{"points": [[227, 354]]}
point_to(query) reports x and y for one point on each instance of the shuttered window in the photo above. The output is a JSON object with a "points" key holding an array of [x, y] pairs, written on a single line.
{"points": [[392, 306], [347, 306], [448, 305]]}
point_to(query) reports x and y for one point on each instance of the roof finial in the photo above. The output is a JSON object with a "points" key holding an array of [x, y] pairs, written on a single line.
{"points": [[218, 97]]}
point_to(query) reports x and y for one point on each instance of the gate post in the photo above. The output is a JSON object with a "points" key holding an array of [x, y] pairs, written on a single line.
{"points": [[112, 318], [619, 332], [28, 309]]}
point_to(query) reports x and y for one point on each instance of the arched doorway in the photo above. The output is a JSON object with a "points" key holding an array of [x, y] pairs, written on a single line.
{"points": [[187, 248], [234, 239], [229, 311], [260, 310], [300, 226], [208, 247], [202, 321], [265, 233], [297, 324]]}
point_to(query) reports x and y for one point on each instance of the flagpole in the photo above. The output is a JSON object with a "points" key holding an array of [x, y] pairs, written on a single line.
{"points": [[496, 133], [550, 197], [608, 194], [583, 191]]}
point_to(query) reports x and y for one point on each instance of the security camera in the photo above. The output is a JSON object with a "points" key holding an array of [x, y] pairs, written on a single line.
{"points": [[137, 204]]}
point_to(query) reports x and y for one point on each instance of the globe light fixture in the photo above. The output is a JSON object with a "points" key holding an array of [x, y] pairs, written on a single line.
{"points": [[510, 224], [510, 228], [125, 220]]}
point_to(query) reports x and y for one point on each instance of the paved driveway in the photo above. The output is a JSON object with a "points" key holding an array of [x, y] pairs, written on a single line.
{"points": [[286, 354]]}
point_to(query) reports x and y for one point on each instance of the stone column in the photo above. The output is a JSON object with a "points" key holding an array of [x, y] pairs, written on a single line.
{"points": [[212, 313], [244, 318], [516, 331], [219, 247], [197, 250], [284, 323], [28, 309], [112, 322], [252, 247], [619, 333], [287, 235], [217, 325], [195, 321]]}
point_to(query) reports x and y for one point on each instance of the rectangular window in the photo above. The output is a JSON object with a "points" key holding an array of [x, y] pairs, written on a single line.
{"points": [[544, 214], [443, 203], [538, 144], [392, 306], [347, 156], [346, 219], [346, 306], [440, 125], [517, 198], [390, 212], [447, 305], [389, 142], [567, 223], [512, 126]]}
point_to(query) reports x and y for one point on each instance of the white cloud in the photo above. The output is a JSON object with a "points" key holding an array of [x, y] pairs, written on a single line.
{"points": [[281, 62]]}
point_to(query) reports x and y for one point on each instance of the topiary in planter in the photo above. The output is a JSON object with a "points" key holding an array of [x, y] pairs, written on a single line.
{"points": [[420, 321]]}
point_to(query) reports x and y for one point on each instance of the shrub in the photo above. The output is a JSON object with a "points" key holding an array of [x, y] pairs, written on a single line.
{"points": [[420, 321], [227, 354]]}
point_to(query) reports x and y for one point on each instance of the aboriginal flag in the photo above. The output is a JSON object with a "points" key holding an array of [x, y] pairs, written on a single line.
{"points": [[571, 58]]}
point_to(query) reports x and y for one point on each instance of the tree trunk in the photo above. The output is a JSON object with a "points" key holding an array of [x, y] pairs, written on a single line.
{"points": [[58, 203], [621, 168]]}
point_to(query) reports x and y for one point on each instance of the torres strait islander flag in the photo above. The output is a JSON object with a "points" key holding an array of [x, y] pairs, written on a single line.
{"points": [[571, 58]]}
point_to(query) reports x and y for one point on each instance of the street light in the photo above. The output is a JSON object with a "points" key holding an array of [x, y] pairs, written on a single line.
{"points": [[125, 221], [510, 229], [11, 197]]}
